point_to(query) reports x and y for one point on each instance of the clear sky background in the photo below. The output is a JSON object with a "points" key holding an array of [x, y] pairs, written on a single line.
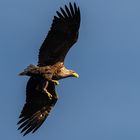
{"points": [[104, 103]]}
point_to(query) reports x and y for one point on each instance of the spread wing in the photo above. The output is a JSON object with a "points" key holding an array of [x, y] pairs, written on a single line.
{"points": [[37, 106], [62, 35]]}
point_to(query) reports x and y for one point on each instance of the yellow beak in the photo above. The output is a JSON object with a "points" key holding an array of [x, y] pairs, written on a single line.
{"points": [[75, 75]]}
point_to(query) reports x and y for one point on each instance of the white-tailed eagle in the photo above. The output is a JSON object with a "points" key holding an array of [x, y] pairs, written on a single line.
{"points": [[40, 89]]}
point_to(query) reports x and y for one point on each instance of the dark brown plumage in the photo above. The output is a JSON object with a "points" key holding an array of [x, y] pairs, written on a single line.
{"points": [[37, 106], [40, 89], [61, 37]]}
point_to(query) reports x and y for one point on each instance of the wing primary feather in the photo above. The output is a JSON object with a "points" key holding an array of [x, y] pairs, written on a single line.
{"points": [[78, 17], [64, 13], [56, 18], [35, 129], [71, 9], [23, 124], [26, 127], [32, 123], [75, 8], [28, 130], [26, 122], [68, 11], [79, 13], [59, 15], [21, 115], [22, 120]]}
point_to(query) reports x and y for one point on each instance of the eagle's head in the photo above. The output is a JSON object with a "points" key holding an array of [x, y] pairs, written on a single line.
{"points": [[64, 73]]}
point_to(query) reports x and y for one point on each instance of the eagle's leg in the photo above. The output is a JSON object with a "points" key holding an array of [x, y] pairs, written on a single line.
{"points": [[55, 82], [49, 94], [45, 90], [48, 76]]}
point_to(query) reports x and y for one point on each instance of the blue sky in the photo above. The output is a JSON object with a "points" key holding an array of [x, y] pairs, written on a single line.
{"points": [[104, 103]]}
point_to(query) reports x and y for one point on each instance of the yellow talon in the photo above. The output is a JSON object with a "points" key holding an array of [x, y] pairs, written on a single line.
{"points": [[55, 82], [49, 94]]}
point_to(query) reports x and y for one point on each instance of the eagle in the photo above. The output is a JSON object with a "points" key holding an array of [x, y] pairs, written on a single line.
{"points": [[43, 77]]}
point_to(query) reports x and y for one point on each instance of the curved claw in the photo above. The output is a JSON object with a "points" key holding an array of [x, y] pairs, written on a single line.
{"points": [[49, 95], [55, 82]]}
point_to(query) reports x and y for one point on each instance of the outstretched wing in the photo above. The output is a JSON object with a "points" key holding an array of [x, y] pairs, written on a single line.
{"points": [[37, 106], [62, 35]]}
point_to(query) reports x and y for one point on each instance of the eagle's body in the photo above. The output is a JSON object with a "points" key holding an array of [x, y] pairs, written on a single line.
{"points": [[50, 72], [40, 89]]}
